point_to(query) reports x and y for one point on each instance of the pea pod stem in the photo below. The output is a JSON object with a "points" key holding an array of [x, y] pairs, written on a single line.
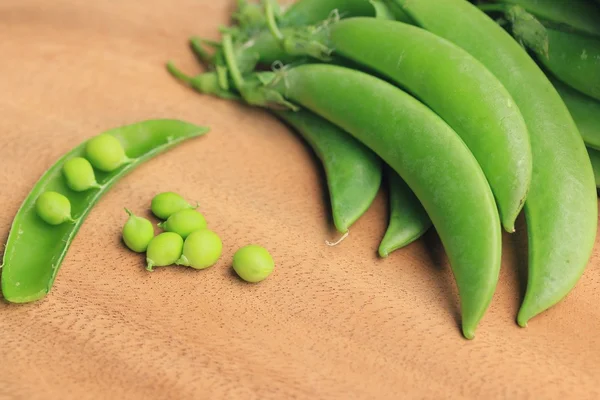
{"points": [[271, 22], [29, 275], [233, 69], [199, 51]]}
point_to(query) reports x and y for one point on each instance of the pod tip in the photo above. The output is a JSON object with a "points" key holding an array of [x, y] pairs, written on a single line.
{"points": [[522, 319], [383, 253], [468, 333]]}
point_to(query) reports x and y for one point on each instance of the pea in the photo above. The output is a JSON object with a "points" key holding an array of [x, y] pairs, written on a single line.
{"points": [[168, 203], [164, 249], [105, 152], [137, 233], [184, 222], [253, 263], [80, 175], [54, 208], [202, 249]]}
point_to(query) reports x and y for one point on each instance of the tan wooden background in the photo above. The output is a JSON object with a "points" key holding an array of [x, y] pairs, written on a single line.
{"points": [[331, 323]]}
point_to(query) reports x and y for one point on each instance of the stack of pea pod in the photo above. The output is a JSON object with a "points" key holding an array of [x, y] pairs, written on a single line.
{"points": [[458, 115]]}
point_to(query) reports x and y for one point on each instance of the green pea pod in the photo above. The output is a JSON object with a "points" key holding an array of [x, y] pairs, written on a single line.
{"points": [[458, 88], [595, 159], [561, 207], [576, 15], [575, 60], [408, 219], [353, 171], [584, 110], [35, 249], [427, 154]]}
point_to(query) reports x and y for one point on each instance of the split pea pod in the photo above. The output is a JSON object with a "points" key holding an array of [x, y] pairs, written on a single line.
{"points": [[574, 15], [35, 249], [428, 155], [458, 88], [584, 110], [595, 159], [353, 171], [408, 219], [561, 207], [575, 60]]}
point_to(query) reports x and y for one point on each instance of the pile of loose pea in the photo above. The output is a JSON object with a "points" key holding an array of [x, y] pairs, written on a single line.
{"points": [[187, 241]]}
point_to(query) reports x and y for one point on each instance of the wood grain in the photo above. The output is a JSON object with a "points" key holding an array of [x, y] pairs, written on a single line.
{"points": [[331, 323]]}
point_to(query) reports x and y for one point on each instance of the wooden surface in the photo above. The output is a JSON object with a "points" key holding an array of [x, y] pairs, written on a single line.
{"points": [[330, 323]]}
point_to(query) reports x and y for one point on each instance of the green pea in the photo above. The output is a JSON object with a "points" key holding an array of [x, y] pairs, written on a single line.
{"points": [[253, 263], [164, 249], [80, 175], [202, 249], [106, 153], [54, 208], [137, 233], [168, 203], [184, 222]]}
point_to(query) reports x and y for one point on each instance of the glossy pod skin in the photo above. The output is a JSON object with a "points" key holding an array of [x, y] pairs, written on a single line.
{"points": [[354, 172], [584, 110], [578, 15], [575, 60], [428, 155], [595, 159], [561, 207], [458, 88], [408, 219], [35, 249]]}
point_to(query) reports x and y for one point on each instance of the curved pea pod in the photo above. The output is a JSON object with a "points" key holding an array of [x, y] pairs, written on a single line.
{"points": [[595, 159], [408, 219], [35, 249], [354, 172], [427, 154], [584, 110], [561, 207], [574, 15], [575, 60], [458, 88]]}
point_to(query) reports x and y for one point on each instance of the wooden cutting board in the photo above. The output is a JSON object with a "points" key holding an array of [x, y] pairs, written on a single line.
{"points": [[330, 323]]}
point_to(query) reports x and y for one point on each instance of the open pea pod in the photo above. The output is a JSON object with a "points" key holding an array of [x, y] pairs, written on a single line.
{"points": [[35, 249]]}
